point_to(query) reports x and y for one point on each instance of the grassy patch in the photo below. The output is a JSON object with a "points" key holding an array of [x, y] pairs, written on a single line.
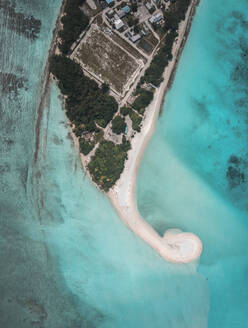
{"points": [[130, 49], [146, 46], [101, 56]]}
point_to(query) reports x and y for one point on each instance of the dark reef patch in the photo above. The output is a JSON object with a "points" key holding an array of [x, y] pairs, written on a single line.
{"points": [[20, 23], [240, 71], [201, 108], [235, 172], [240, 19], [57, 141], [5, 167], [11, 83], [239, 78]]}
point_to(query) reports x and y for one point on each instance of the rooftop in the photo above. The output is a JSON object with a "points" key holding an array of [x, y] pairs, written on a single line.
{"points": [[126, 9], [156, 18], [135, 38], [118, 24]]}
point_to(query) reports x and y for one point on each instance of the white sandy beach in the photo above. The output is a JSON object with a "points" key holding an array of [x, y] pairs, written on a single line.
{"points": [[175, 246]]}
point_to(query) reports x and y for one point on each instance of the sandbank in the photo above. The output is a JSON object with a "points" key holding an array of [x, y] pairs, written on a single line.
{"points": [[177, 247]]}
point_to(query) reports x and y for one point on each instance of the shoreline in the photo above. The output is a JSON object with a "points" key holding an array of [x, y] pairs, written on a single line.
{"points": [[46, 81], [175, 246], [186, 34], [172, 246]]}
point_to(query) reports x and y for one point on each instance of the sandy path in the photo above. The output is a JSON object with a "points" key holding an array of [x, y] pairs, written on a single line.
{"points": [[174, 246]]}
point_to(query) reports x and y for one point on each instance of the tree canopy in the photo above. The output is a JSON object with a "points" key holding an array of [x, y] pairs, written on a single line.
{"points": [[86, 103], [118, 125], [108, 162], [74, 23]]}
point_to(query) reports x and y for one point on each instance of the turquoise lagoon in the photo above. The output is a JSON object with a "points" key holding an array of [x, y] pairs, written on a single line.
{"points": [[194, 172], [66, 258]]}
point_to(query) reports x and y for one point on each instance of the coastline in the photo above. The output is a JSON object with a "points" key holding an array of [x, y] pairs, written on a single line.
{"points": [[172, 247], [46, 81], [189, 22], [175, 246]]}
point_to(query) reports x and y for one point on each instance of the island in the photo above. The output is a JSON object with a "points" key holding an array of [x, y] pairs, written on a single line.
{"points": [[113, 62]]}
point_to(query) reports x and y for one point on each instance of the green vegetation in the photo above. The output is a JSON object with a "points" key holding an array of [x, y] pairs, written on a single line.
{"points": [[136, 120], [143, 44], [74, 23], [143, 100], [108, 162], [89, 106], [172, 19], [175, 14], [104, 57], [118, 125], [155, 71], [86, 146], [131, 21], [85, 103], [98, 135], [105, 88], [125, 110]]}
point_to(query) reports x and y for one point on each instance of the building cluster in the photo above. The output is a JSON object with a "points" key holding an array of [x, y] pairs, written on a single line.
{"points": [[115, 17], [119, 16], [156, 19]]}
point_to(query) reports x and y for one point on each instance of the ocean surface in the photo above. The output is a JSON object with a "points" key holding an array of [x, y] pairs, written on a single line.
{"points": [[194, 174], [66, 258]]}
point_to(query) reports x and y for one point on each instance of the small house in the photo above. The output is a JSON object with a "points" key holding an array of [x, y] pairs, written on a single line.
{"points": [[110, 13], [126, 10], [135, 38], [120, 13], [110, 2], [155, 19], [118, 24]]}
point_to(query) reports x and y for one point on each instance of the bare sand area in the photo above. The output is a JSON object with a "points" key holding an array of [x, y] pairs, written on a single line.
{"points": [[175, 246]]}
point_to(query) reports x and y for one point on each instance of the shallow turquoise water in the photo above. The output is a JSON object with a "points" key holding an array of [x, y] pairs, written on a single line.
{"points": [[183, 180], [66, 258]]}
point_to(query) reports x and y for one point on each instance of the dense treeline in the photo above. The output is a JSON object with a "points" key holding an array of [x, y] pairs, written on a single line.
{"points": [[118, 125], [136, 120], [135, 117], [154, 73], [74, 23], [108, 162], [86, 103], [143, 100], [86, 146], [176, 13]]}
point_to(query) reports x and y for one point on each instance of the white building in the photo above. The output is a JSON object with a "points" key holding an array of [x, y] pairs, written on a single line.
{"points": [[148, 5], [118, 24], [156, 18], [135, 38]]}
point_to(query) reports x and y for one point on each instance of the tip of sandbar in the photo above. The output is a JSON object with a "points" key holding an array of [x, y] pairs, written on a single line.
{"points": [[182, 247]]}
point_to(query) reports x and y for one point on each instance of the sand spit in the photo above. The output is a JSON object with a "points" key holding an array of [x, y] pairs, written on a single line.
{"points": [[175, 246]]}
